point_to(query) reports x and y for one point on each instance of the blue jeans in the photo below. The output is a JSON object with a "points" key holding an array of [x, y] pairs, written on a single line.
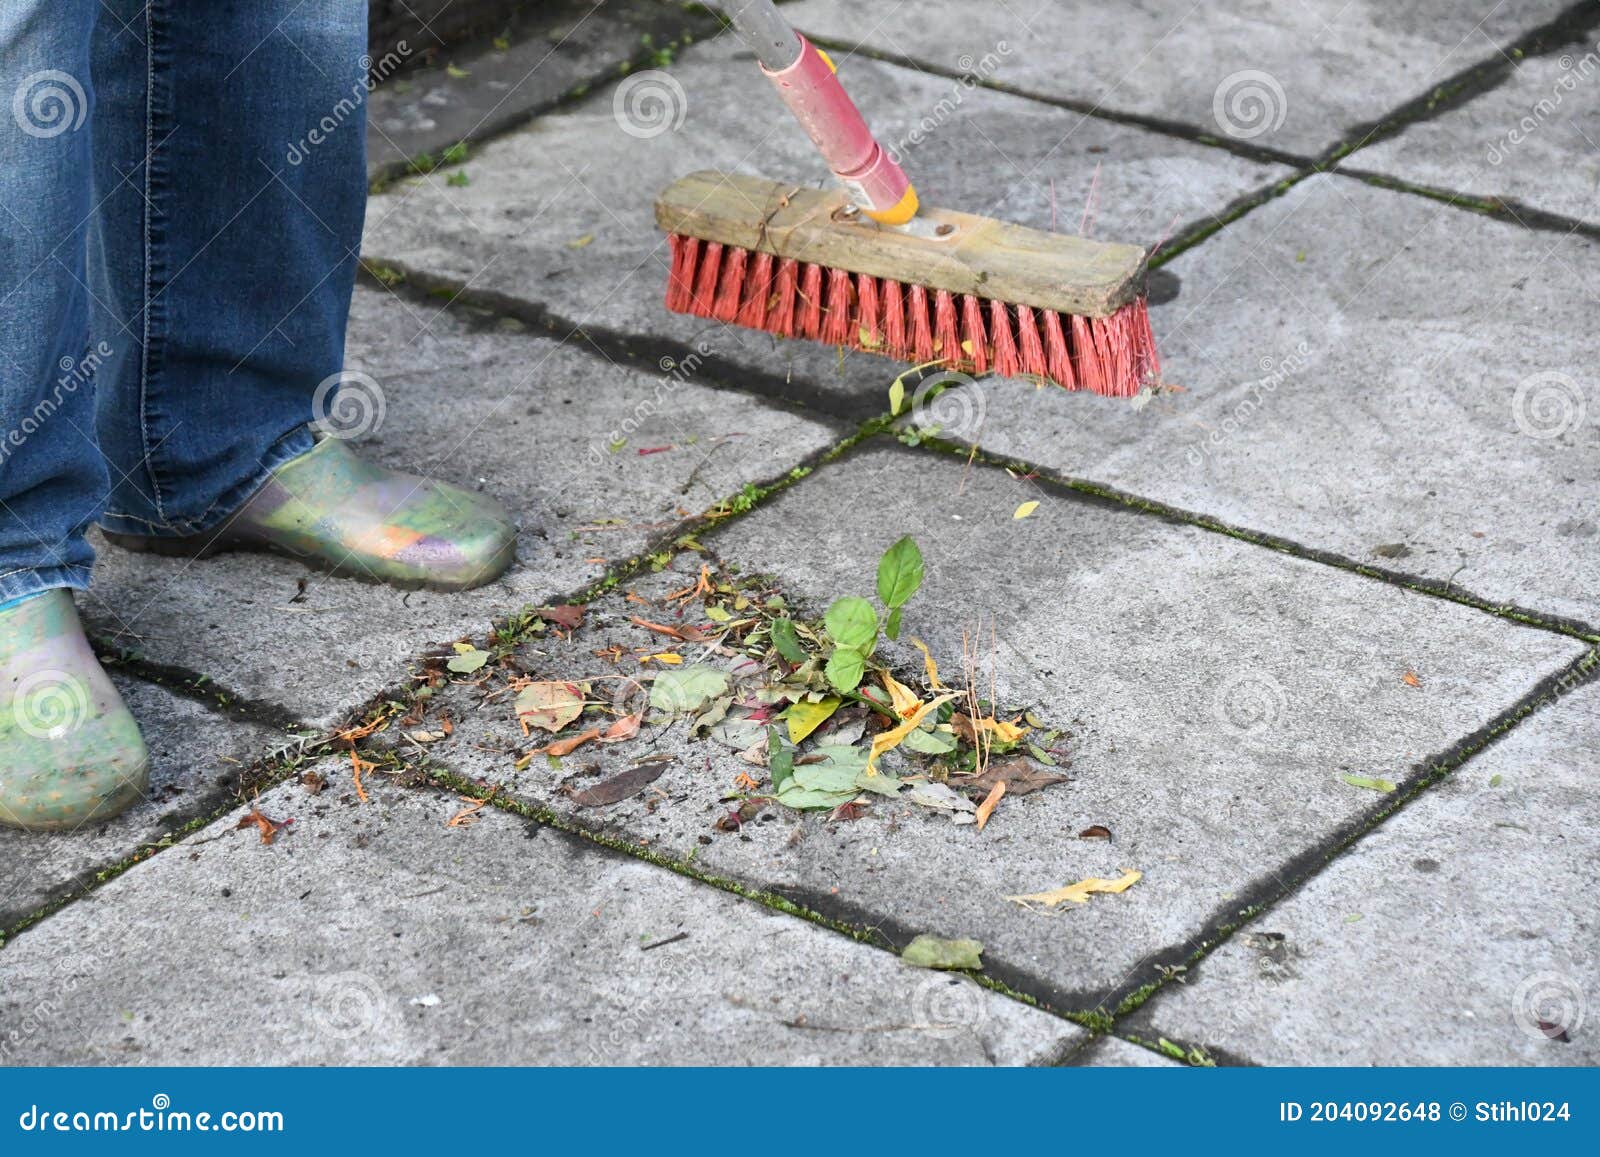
{"points": [[181, 194]]}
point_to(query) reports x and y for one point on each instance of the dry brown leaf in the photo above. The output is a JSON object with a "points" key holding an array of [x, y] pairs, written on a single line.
{"points": [[1095, 832], [622, 785], [928, 663], [625, 728], [569, 617], [356, 764], [986, 808], [1410, 679], [571, 743], [267, 828], [1080, 892], [659, 628], [1020, 776], [469, 815]]}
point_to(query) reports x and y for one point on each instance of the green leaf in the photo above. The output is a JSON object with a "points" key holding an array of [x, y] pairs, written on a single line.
{"points": [[845, 668], [780, 759], [933, 952], [1368, 782], [899, 573], [930, 742], [787, 641], [718, 615], [897, 395], [803, 718], [687, 688], [879, 782], [467, 659], [892, 627], [852, 623], [804, 799]]}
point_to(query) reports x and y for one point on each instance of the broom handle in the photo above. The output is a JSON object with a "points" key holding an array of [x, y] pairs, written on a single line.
{"points": [[805, 79]]}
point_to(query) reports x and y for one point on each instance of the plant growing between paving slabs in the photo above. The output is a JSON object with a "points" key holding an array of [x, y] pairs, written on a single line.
{"points": [[810, 706]]}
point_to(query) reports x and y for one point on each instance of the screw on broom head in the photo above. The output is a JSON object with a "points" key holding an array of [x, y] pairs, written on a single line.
{"points": [[967, 292]]}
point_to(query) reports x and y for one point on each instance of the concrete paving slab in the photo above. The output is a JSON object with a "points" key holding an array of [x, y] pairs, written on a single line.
{"points": [[560, 215], [552, 432], [1405, 384], [1295, 77], [375, 934], [543, 55], [1447, 936], [1531, 140], [196, 756], [1114, 1052], [1212, 694]]}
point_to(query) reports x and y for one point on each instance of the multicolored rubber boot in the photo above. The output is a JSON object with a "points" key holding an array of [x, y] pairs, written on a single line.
{"points": [[333, 511], [70, 753]]}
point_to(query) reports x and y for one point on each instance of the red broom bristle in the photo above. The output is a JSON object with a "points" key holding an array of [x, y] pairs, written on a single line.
{"points": [[1101, 327], [946, 330], [1057, 355], [680, 282], [811, 300], [705, 278], [869, 323], [921, 331], [725, 306], [1113, 355], [1006, 362], [974, 341], [894, 320], [836, 325], [1087, 361], [1147, 363], [785, 295], [757, 288], [1028, 339]]}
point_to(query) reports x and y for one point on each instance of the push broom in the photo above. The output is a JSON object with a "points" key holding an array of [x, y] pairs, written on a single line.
{"points": [[864, 266]]}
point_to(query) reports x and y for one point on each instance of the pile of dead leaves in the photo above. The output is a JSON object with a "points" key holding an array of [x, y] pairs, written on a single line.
{"points": [[820, 720]]}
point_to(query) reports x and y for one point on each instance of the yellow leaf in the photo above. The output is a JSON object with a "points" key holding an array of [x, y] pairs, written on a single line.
{"points": [[803, 718], [580, 242], [1080, 892], [666, 657], [902, 698], [1025, 509], [927, 662], [888, 740], [550, 706]]}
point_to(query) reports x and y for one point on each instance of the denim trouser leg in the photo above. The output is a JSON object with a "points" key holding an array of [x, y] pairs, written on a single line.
{"points": [[52, 479], [225, 249]]}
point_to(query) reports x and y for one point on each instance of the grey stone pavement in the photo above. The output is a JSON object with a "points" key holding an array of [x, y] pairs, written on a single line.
{"points": [[1355, 533]]}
